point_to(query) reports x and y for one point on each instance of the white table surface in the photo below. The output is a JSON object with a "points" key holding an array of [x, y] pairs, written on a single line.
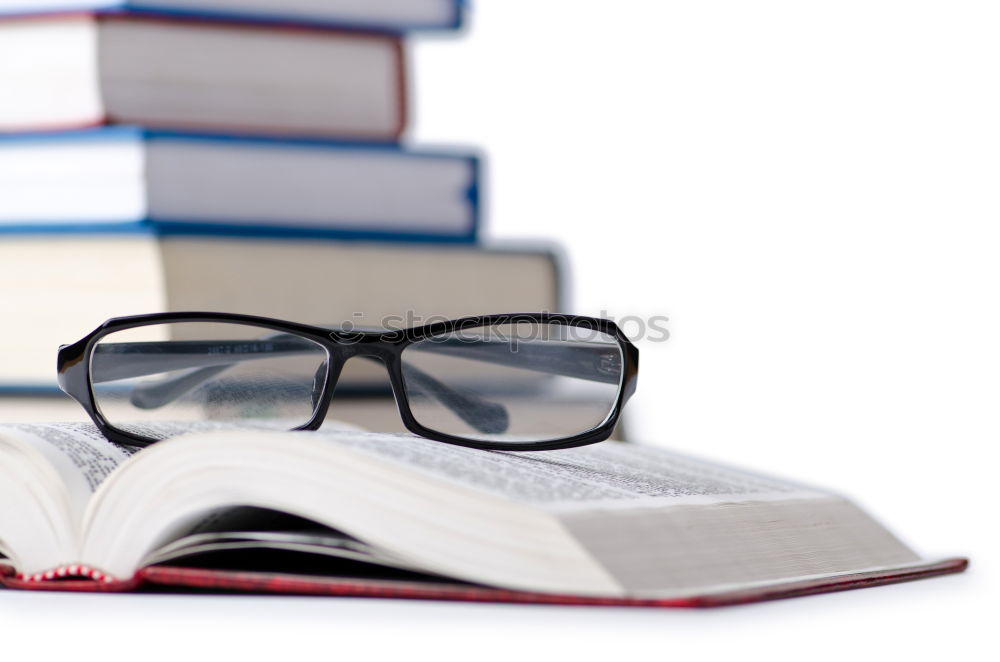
{"points": [[948, 618]]}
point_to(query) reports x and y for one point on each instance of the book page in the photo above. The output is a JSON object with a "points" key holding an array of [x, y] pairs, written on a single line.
{"points": [[605, 475], [84, 457], [663, 524], [79, 453]]}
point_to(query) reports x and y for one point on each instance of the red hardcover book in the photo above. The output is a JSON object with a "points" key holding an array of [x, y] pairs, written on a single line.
{"points": [[71, 71], [348, 513]]}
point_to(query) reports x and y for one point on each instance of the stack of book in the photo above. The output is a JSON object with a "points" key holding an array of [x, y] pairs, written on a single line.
{"points": [[231, 155]]}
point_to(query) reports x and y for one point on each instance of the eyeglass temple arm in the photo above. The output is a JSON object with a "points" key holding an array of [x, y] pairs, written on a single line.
{"points": [[596, 362], [129, 361], [485, 416], [593, 362]]}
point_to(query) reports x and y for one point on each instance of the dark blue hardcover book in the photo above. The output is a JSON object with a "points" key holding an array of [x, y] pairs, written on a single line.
{"points": [[112, 179], [373, 15]]}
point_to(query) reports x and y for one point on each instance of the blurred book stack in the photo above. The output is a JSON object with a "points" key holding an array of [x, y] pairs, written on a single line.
{"points": [[231, 155]]}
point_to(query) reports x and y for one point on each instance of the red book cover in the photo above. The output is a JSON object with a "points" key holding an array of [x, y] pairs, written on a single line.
{"points": [[88, 580]]}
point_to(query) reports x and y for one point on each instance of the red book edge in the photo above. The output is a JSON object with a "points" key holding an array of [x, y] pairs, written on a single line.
{"points": [[259, 582], [399, 55]]}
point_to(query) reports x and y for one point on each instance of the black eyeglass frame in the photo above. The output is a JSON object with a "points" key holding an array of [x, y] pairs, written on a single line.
{"points": [[74, 367]]}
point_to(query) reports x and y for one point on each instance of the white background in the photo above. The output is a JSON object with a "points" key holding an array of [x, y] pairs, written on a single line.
{"points": [[809, 191]]}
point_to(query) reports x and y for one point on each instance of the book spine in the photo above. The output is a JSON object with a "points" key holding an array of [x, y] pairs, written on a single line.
{"points": [[74, 578], [74, 571]]}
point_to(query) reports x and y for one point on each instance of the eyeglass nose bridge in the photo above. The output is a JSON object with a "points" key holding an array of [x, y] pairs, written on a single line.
{"points": [[342, 349], [346, 345], [482, 414]]}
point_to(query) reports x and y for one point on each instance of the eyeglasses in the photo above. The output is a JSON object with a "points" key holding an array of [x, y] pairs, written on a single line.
{"points": [[473, 382]]}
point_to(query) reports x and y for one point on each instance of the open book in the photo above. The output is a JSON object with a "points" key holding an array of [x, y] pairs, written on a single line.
{"points": [[353, 513]]}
